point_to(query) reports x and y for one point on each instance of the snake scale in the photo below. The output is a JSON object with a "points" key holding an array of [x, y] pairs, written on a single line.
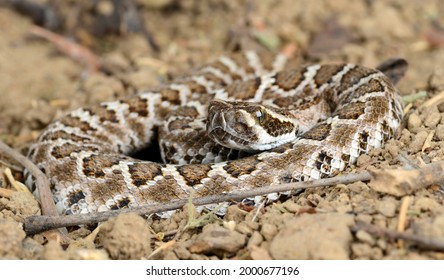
{"points": [[243, 122]]}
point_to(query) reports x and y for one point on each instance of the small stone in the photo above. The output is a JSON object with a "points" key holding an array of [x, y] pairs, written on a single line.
{"points": [[244, 229], [426, 204], [365, 251], [126, 236], [440, 132], [218, 240], [387, 207], [363, 160], [234, 213], [414, 121], [365, 237], [256, 239], [182, 253], [11, 238], [231, 225], [382, 244], [291, 206], [364, 218], [253, 225], [418, 141], [297, 238], [268, 231], [53, 251], [432, 120], [430, 228]]}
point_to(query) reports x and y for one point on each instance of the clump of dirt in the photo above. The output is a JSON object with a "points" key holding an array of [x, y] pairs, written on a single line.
{"points": [[39, 84]]}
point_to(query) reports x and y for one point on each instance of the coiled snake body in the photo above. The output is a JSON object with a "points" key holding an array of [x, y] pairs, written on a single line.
{"points": [[301, 124]]}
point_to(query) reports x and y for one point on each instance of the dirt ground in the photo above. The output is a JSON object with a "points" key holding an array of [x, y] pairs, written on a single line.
{"points": [[39, 83]]}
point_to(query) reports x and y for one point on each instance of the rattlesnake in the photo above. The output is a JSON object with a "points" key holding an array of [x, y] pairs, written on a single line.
{"points": [[315, 121]]}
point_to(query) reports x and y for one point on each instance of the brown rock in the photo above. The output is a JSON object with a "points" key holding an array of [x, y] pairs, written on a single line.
{"points": [[387, 206], [11, 238], [215, 239], [126, 237], [432, 120], [268, 231], [414, 121], [418, 141], [320, 236]]}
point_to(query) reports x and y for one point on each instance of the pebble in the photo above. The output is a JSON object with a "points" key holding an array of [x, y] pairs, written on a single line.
{"points": [[126, 236], [182, 253], [291, 206], [432, 120], [217, 240], [365, 237], [426, 204], [418, 141], [440, 132], [255, 240], [11, 237], [387, 206], [302, 237], [414, 121], [365, 251], [243, 228], [433, 228], [268, 231]]}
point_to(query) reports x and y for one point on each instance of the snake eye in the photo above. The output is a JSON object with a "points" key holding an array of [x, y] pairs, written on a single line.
{"points": [[260, 115]]}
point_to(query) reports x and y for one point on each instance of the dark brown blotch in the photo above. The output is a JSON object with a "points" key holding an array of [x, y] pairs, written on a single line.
{"points": [[372, 86], [141, 173], [65, 150], [122, 203], [61, 134], [72, 121], [75, 197], [94, 165], [289, 79], [351, 111], [276, 127], [242, 62], [138, 105], [318, 132], [165, 190], [240, 167], [353, 76], [326, 72], [244, 90], [170, 95], [195, 87], [193, 173], [106, 114]]}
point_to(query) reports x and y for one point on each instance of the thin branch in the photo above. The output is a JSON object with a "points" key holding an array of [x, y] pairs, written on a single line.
{"points": [[424, 242], [42, 183], [36, 224]]}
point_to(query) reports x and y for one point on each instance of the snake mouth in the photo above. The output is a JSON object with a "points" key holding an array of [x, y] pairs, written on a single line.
{"points": [[229, 140]]}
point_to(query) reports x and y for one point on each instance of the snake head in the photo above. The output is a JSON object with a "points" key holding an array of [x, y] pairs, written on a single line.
{"points": [[249, 126]]}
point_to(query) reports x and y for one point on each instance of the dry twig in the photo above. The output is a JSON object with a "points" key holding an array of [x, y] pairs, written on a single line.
{"points": [[424, 242], [42, 183], [72, 49], [403, 217], [37, 224]]}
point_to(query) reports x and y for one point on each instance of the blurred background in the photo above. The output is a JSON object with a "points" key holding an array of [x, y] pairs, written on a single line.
{"points": [[57, 55]]}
